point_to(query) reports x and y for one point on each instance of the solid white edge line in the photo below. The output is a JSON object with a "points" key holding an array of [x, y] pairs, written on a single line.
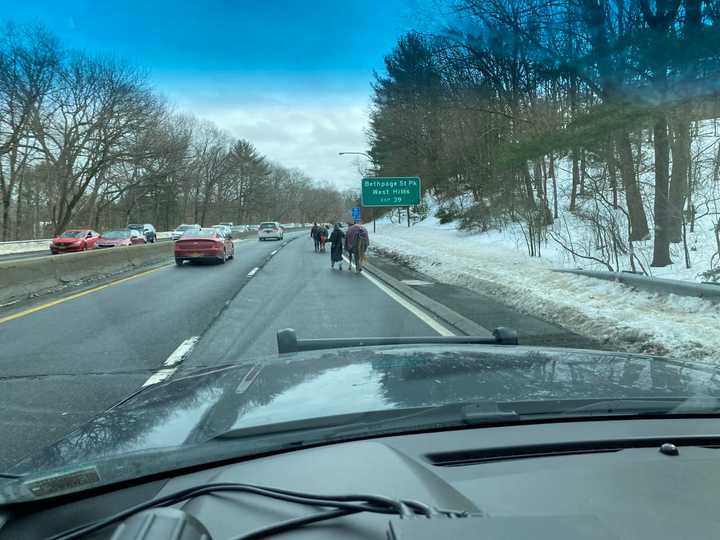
{"points": [[172, 363], [424, 317], [181, 352], [252, 272], [159, 376]]}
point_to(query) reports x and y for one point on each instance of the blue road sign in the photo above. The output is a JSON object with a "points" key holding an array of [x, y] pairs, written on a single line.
{"points": [[356, 213]]}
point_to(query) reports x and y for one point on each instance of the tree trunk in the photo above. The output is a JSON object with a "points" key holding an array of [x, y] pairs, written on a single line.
{"points": [[19, 208], [575, 180], [528, 187], [679, 177], [6, 216], [554, 187], [612, 172], [581, 187], [636, 211], [661, 246], [537, 177]]}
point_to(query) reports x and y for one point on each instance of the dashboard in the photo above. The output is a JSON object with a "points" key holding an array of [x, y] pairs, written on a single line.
{"points": [[576, 479]]}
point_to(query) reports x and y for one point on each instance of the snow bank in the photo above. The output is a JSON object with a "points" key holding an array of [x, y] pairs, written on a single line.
{"points": [[23, 247], [496, 264]]}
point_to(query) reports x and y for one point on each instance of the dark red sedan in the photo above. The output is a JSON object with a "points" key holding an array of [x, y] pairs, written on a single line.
{"points": [[121, 237], [204, 244], [74, 240]]}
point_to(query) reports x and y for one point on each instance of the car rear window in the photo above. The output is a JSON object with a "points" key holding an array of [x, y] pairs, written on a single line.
{"points": [[267, 225], [73, 234]]}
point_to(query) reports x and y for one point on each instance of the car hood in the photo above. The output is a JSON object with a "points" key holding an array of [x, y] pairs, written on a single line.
{"points": [[195, 408]]}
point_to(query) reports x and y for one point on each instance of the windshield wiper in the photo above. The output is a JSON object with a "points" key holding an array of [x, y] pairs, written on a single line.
{"points": [[288, 342], [378, 422], [646, 406]]}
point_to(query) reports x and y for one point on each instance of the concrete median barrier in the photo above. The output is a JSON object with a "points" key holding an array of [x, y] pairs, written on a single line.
{"points": [[20, 279]]}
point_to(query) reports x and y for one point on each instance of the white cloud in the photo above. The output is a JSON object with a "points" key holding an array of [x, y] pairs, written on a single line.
{"points": [[304, 131]]}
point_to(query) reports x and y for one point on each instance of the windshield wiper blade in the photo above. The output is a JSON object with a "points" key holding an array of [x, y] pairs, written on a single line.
{"points": [[288, 342], [378, 422], [644, 406]]}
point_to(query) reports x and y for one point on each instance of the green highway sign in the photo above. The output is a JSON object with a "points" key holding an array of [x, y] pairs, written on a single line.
{"points": [[391, 191]]}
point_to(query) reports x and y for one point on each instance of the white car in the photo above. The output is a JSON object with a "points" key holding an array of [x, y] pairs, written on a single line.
{"points": [[177, 233], [225, 229], [270, 229]]}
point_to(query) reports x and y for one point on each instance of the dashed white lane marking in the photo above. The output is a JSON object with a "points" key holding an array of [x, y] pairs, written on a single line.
{"points": [[274, 252], [415, 282], [252, 272], [424, 317], [173, 361]]}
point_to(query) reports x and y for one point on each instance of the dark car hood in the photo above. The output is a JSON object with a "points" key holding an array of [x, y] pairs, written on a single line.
{"points": [[195, 408]]}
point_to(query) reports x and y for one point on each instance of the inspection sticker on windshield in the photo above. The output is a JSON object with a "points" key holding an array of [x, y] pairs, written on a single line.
{"points": [[66, 481]]}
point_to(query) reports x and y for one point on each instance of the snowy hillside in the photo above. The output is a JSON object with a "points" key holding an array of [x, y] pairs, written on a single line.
{"points": [[497, 263]]}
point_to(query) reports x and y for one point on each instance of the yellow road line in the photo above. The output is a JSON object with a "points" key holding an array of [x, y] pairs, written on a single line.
{"points": [[35, 309]]}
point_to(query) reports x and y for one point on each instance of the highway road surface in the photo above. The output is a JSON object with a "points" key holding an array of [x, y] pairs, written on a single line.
{"points": [[62, 363]]}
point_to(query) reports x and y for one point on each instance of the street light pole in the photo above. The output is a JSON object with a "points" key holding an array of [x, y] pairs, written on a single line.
{"points": [[370, 158]]}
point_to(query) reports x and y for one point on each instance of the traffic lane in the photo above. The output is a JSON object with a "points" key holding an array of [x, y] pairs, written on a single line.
{"points": [[61, 366], [298, 289], [125, 325]]}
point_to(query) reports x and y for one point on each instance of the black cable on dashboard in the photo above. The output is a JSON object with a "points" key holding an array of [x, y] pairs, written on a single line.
{"points": [[373, 503], [290, 524]]}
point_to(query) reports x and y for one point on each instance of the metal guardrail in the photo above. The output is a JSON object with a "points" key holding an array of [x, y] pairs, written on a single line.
{"points": [[708, 292]]}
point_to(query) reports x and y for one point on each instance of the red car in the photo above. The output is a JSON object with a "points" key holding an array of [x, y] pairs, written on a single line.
{"points": [[74, 240], [204, 244], [120, 237]]}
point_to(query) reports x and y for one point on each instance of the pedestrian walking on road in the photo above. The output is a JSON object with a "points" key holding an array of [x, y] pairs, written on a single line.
{"points": [[357, 241], [337, 242], [322, 237], [314, 234]]}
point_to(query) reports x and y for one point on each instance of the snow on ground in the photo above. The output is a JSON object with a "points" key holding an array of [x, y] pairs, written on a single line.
{"points": [[23, 247], [497, 264]]}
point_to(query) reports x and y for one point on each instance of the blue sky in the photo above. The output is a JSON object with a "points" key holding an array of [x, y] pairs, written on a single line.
{"points": [[293, 77]]}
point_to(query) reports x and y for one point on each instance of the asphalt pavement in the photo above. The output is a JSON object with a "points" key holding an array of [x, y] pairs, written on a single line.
{"points": [[69, 358], [62, 365]]}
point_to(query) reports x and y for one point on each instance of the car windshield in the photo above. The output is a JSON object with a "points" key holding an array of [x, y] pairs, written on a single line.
{"points": [[73, 234], [113, 235], [446, 177]]}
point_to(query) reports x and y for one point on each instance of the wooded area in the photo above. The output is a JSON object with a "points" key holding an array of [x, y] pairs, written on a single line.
{"points": [[86, 141], [490, 105]]}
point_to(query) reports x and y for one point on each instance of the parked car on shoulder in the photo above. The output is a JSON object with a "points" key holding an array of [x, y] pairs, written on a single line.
{"points": [[74, 240], [270, 230], [182, 229], [204, 244], [147, 229], [120, 237]]}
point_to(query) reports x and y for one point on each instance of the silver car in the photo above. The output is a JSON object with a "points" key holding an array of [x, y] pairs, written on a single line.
{"points": [[182, 229], [270, 230]]}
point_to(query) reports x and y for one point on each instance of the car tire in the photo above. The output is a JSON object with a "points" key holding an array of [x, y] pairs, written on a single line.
{"points": [[223, 259], [179, 262]]}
